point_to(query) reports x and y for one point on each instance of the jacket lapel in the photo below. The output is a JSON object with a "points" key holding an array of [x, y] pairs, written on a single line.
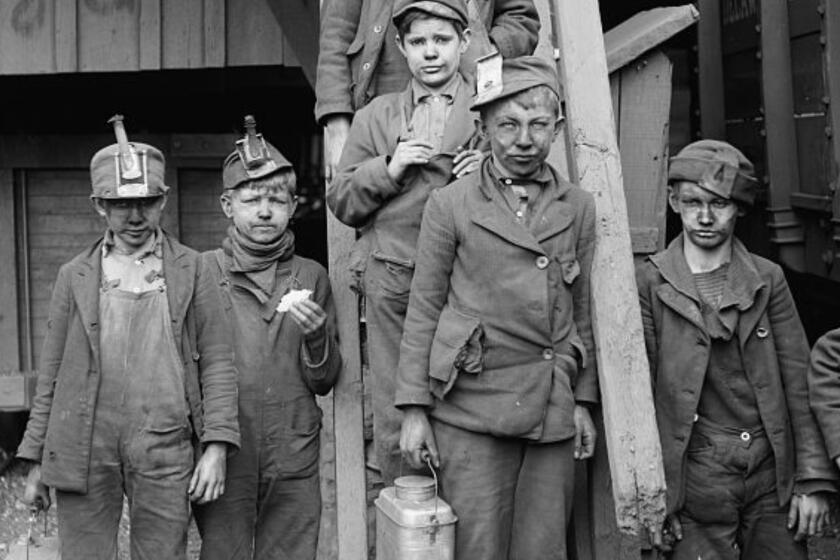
{"points": [[489, 215], [179, 275], [558, 214], [85, 280], [678, 292], [745, 290], [461, 123]]}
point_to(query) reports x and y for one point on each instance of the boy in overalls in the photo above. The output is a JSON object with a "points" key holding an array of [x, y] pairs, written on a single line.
{"points": [[136, 363], [401, 147], [285, 354]]}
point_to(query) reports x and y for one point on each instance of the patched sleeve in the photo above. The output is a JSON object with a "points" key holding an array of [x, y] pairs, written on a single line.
{"points": [[515, 27], [339, 26], [586, 390], [320, 354]]}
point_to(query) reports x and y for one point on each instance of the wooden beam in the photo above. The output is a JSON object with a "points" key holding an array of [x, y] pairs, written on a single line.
{"points": [[645, 31], [710, 68], [831, 35], [299, 20], [150, 35], [782, 151], [66, 42], [9, 335], [627, 401], [215, 48], [348, 395], [643, 116]]}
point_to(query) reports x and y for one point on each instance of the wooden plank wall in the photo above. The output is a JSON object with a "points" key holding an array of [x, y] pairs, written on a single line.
{"points": [[48, 36]]}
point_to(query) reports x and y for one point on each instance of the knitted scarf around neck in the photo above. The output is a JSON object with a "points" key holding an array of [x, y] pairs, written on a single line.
{"points": [[249, 256]]}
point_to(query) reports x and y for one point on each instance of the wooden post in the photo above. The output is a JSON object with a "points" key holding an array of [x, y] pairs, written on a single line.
{"points": [[299, 21], [782, 154], [710, 63], [9, 345], [830, 11], [630, 426]]}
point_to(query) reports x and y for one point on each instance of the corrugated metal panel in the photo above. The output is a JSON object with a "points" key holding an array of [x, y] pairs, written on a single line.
{"points": [[49, 36]]}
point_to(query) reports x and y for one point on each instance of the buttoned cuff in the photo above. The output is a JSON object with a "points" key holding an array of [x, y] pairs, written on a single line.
{"points": [[807, 487], [413, 398]]}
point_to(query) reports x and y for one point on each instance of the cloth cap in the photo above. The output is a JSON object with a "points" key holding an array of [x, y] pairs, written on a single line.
{"points": [[455, 10], [717, 167], [107, 180], [520, 74], [235, 171]]}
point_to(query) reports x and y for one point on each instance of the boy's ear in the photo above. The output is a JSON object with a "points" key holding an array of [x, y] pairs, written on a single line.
{"points": [[673, 198], [227, 205], [399, 42], [465, 39], [98, 206]]}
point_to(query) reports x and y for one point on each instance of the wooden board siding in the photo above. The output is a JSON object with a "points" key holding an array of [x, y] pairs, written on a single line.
{"points": [[202, 223], [48, 36]]}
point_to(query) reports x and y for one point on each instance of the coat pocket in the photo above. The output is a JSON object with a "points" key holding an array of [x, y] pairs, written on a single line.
{"points": [[457, 347], [570, 270]]}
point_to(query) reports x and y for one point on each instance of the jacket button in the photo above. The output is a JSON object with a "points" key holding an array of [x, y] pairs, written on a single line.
{"points": [[377, 29], [542, 262], [366, 66], [761, 332], [548, 354]]}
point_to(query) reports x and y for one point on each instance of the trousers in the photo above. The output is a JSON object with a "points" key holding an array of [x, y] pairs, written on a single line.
{"points": [[141, 445], [513, 498], [731, 509]]}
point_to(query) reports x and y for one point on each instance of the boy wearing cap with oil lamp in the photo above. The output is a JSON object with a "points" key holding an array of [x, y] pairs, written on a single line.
{"points": [[286, 351], [401, 147], [745, 464], [496, 371], [136, 364]]}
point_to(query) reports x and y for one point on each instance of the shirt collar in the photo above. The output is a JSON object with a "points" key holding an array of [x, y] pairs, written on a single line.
{"points": [[419, 92], [152, 246]]}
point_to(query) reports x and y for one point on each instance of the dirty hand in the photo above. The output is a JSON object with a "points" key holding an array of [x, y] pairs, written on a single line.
{"points": [[208, 479], [336, 131], [584, 433], [36, 494], [466, 162], [417, 440], [663, 538], [408, 153], [309, 316], [812, 513]]}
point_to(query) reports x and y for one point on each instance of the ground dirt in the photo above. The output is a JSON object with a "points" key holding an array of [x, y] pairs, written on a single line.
{"points": [[14, 523]]}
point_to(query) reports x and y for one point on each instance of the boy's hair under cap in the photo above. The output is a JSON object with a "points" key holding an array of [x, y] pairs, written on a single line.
{"points": [[455, 10], [253, 158], [520, 74], [717, 167], [127, 169]]}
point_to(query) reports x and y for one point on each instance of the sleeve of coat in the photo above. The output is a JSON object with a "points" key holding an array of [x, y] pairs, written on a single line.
{"points": [[217, 372], [321, 356], [61, 306], [429, 291], [339, 24], [362, 185], [648, 322], [824, 388], [812, 462], [515, 27], [586, 389]]}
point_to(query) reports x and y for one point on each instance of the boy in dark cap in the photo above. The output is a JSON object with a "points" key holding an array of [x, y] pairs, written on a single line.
{"points": [[359, 58], [136, 364], [286, 351], [745, 465], [496, 365], [402, 147]]}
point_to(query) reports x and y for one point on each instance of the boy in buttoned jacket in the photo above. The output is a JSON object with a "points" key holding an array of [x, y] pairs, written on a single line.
{"points": [[496, 368], [745, 466]]}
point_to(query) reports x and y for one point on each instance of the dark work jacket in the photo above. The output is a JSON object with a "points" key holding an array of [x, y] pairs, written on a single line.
{"points": [[352, 41], [60, 428], [482, 346], [364, 196], [774, 352], [824, 387]]}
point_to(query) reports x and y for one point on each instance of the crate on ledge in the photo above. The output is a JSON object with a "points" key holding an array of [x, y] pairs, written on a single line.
{"points": [[17, 389]]}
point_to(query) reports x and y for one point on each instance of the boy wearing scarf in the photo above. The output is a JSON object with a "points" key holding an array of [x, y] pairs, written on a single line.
{"points": [[403, 146], [285, 354]]}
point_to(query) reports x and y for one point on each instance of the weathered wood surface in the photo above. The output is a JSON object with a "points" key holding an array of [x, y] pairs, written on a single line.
{"points": [[644, 31], [9, 345], [642, 113], [782, 162], [351, 501], [630, 429], [299, 20], [48, 36], [710, 67]]}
